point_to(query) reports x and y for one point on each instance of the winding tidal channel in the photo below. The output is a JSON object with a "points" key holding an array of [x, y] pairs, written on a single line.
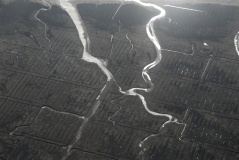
{"points": [[46, 28], [84, 37]]}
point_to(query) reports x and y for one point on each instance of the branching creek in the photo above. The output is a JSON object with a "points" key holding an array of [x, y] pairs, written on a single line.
{"points": [[84, 37]]}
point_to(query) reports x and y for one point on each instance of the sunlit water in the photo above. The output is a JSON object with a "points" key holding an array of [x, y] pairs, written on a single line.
{"points": [[83, 35]]}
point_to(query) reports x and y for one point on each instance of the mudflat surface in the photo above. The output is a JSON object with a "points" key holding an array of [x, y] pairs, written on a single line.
{"points": [[44, 93]]}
